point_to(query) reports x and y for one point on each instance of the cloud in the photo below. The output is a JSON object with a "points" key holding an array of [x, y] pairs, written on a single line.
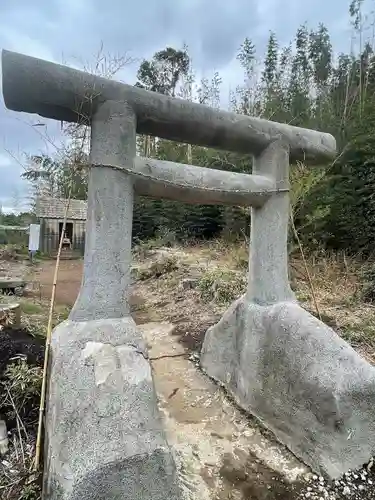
{"points": [[11, 186], [21, 42], [5, 162], [71, 31]]}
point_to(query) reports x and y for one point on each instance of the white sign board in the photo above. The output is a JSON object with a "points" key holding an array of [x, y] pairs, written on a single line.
{"points": [[34, 236]]}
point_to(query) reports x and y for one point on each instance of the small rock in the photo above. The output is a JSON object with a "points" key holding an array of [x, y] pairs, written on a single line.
{"points": [[233, 470], [188, 283], [346, 491], [4, 443]]}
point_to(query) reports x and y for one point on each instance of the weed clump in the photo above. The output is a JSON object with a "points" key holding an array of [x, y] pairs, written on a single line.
{"points": [[22, 386], [368, 284], [162, 266], [221, 286]]}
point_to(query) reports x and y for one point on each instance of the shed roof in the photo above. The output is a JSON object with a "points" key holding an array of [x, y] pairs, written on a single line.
{"points": [[54, 208]]}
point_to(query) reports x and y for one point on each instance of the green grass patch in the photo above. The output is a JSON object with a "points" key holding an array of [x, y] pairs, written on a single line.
{"points": [[31, 308], [363, 332], [221, 286]]}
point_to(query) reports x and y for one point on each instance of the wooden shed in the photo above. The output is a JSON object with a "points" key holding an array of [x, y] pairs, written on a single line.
{"points": [[50, 213]]}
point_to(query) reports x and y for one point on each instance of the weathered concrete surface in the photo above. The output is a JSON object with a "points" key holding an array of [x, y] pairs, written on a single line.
{"points": [[104, 438], [268, 280], [104, 435], [106, 275], [54, 91], [302, 380], [191, 184]]}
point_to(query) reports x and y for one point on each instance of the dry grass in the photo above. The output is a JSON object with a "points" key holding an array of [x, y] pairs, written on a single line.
{"points": [[17, 481], [34, 313], [222, 286], [12, 252], [336, 279], [165, 264], [337, 282], [21, 386]]}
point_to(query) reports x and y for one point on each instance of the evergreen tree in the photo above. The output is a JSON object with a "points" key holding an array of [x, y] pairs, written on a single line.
{"points": [[300, 83]]}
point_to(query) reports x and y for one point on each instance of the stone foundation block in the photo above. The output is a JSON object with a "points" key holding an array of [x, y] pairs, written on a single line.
{"points": [[300, 379], [104, 437]]}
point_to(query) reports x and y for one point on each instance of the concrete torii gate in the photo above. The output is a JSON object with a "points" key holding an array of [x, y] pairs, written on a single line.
{"points": [[104, 438]]}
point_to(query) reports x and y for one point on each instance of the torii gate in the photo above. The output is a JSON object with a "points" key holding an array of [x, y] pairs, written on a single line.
{"points": [[96, 446]]}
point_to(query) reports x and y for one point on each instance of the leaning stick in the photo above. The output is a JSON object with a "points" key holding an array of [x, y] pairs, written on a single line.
{"points": [[48, 344]]}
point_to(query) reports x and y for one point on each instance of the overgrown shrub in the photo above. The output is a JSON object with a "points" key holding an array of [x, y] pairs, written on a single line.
{"points": [[339, 212], [163, 265], [163, 238], [221, 286], [367, 293], [239, 255], [21, 385]]}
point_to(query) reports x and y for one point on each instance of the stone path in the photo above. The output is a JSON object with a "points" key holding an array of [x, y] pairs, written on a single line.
{"points": [[220, 453]]}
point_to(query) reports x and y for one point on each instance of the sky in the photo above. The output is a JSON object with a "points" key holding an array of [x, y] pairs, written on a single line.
{"points": [[72, 31]]}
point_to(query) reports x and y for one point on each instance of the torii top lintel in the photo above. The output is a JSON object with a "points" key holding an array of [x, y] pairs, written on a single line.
{"points": [[58, 92]]}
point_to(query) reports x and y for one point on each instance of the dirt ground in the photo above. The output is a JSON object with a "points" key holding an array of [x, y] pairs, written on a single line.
{"points": [[69, 280], [221, 454], [206, 432]]}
